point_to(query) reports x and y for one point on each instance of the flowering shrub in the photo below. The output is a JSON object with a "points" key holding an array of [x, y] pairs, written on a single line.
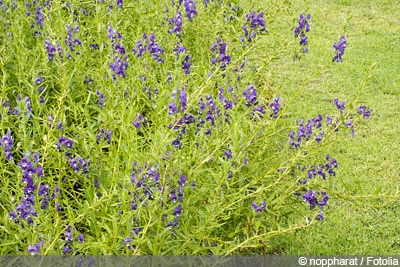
{"points": [[155, 135]]}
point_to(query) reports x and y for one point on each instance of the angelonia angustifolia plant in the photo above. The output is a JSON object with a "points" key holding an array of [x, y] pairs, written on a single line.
{"points": [[138, 128]]}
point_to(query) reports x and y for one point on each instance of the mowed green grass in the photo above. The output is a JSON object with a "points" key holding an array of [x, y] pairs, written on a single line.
{"points": [[362, 217]]}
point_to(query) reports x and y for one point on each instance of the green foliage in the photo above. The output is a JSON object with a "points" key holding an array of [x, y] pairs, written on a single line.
{"points": [[133, 182]]}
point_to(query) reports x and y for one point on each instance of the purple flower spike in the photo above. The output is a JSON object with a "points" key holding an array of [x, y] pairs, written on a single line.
{"points": [[339, 48]]}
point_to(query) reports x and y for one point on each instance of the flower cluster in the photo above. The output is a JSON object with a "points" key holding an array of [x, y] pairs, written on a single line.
{"points": [[176, 23], [190, 8], [35, 248], [39, 16], [339, 48], [255, 21], [366, 112], [101, 98], [301, 29], [6, 142], [120, 65], [321, 170], [69, 239], [339, 105], [64, 141], [25, 209], [275, 106], [153, 47], [311, 198], [186, 64], [107, 135], [223, 58], [51, 50], [78, 164], [305, 131], [259, 209], [70, 41], [139, 120]]}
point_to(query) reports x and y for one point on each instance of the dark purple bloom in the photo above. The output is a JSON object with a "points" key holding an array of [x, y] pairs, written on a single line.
{"points": [[228, 154], [320, 216], [340, 106], [339, 48], [66, 250], [250, 94], [275, 106], [34, 249], [68, 234], [325, 199], [260, 208], [178, 210], [39, 16], [119, 66], [182, 180], [39, 80], [172, 108], [183, 98], [186, 64], [177, 24], [119, 3], [120, 49], [311, 198], [81, 238], [154, 49], [365, 111], [190, 8], [51, 50], [64, 141], [101, 98]]}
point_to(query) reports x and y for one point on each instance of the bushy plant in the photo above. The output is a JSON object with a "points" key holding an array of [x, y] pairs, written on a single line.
{"points": [[147, 127]]}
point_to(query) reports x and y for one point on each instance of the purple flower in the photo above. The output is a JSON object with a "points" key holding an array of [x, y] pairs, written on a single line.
{"points": [[39, 16], [178, 210], [177, 24], [365, 111], [154, 49], [101, 98], [228, 154], [311, 198], [250, 94], [39, 80], [186, 64], [340, 106], [183, 98], [68, 234], [339, 48], [127, 240], [51, 50], [66, 250], [64, 141], [190, 8], [119, 3], [81, 238], [325, 199], [320, 216], [119, 66], [275, 106], [35, 248], [172, 108], [260, 208]]}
